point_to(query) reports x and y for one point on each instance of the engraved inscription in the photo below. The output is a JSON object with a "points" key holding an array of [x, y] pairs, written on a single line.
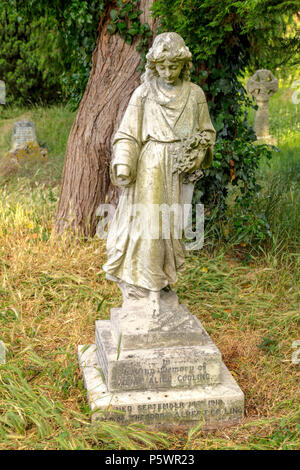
{"points": [[23, 132], [209, 410], [131, 376]]}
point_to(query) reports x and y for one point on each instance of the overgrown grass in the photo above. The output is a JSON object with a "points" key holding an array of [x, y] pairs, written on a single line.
{"points": [[51, 294]]}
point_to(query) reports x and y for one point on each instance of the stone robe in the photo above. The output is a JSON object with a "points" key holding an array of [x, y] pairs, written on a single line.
{"points": [[150, 133]]}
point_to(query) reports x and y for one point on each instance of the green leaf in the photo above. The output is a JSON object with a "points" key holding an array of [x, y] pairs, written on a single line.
{"points": [[114, 15], [121, 26], [133, 31], [133, 15], [111, 28]]}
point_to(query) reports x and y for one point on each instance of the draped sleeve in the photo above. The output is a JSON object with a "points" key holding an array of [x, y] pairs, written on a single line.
{"points": [[205, 124], [127, 141]]}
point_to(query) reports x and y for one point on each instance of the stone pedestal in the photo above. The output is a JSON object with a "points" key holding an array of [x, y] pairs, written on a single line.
{"points": [[170, 373]]}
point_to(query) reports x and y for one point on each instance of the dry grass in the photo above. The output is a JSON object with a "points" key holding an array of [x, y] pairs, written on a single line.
{"points": [[51, 294]]}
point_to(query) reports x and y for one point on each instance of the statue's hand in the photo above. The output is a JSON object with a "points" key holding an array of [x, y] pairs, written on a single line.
{"points": [[123, 175]]}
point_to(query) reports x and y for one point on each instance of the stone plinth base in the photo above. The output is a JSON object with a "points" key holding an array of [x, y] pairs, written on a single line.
{"points": [[162, 370], [215, 405], [137, 331], [267, 139], [156, 368]]}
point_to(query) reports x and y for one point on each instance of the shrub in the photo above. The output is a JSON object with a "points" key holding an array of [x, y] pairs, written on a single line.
{"points": [[29, 59]]}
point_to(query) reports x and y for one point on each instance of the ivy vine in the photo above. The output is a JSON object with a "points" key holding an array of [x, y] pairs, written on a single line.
{"points": [[125, 20]]}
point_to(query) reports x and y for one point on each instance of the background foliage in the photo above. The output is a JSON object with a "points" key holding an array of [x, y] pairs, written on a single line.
{"points": [[30, 63], [226, 42], [51, 42], [46, 48], [47, 57]]}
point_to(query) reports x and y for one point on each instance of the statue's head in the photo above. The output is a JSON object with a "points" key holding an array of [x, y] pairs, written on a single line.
{"points": [[168, 48]]}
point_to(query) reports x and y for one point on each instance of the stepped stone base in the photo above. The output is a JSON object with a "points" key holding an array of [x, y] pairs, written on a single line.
{"points": [[156, 368], [216, 405]]}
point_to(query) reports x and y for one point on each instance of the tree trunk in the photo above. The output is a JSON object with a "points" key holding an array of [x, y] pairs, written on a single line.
{"points": [[113, 78]]}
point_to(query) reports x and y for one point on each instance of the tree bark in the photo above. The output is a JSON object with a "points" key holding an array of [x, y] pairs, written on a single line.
{"points": [[85, 181]]}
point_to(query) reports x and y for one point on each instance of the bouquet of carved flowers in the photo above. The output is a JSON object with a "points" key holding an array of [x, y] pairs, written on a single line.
{"points": [[190, 155]]}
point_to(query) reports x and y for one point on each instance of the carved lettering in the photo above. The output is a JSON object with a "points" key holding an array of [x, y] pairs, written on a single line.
{"points": [[212, 410]]}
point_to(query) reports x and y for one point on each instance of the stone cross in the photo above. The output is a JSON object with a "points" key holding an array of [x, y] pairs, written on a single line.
{"points": [[2, 92], [262, 85]]}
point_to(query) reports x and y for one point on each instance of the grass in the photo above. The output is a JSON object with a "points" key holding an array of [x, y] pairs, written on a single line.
{"points": [[51, 294]]}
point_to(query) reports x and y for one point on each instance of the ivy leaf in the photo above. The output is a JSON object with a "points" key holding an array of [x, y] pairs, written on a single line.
{"points": [[121, 26], [133, 15], [133, 31], [114, 15], [111, 28], [225, 85], [219, 123]]}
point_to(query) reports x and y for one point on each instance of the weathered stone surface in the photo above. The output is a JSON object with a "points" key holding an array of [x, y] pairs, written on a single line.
{"points": [[23, 132], [2, 92], [2, 352], [31, 150], [217, 405], [165, 136], [262, 85], [136, 330], [155, 368]]}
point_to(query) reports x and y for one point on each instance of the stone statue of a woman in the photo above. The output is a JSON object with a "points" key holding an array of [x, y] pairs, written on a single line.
{"points": [[164, 113]]}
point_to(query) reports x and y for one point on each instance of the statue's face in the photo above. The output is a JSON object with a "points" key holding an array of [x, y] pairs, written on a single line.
{"points": [[169, 71]]}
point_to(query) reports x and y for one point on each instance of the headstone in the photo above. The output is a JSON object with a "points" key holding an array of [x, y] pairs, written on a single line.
{"points": [[2, 92], [262, 85], [24, 143], [153, 362], [23, 133]]}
